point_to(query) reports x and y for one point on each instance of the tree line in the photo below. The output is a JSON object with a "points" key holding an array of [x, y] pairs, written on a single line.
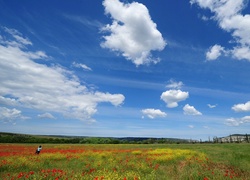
{"points": [[21, 138]]}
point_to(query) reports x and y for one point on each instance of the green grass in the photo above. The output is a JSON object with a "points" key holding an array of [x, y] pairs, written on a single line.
{"points": [[147, 162], [229, 154]]}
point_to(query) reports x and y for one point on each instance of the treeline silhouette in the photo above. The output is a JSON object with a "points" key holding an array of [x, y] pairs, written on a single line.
{"points": [[23, 138]]}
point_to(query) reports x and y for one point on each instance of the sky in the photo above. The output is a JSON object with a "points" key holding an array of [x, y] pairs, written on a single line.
{"points": [[122, 68]]}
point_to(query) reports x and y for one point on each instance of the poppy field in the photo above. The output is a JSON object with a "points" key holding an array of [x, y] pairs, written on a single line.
{"points": [[125, 162]]}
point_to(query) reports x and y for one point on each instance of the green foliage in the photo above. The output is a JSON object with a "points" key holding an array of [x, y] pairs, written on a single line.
{"points": [[22, 138]]}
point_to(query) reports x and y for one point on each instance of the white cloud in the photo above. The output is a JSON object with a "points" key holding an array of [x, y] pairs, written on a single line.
{"points": [[229, 17], [172, 97], [132, 32], [8, 101], [153, 113], [174, 85], [46, 116], [38, 86], [242, 107], [190, 110], [19, 40], [237, 121], [232, 122], [191, 126], [205, 18], [214, 52], [80, 65], [242, 52], [212, 106], [246, 119], [9, 115]]}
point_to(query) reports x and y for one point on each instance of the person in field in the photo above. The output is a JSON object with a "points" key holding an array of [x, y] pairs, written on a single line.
{"points": [[38, 149]]}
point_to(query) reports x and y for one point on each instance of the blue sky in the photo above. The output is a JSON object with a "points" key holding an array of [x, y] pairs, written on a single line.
{"points": [[125, 68]]}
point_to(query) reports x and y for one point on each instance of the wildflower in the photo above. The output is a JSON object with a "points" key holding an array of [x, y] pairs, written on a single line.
{"points": [[156, 166], [20, 175], [91, 170]]}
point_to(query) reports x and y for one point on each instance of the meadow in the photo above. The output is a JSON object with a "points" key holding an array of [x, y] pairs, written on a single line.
{"points": [[126, 161]]}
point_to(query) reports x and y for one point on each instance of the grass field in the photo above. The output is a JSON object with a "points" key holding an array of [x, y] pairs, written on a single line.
{"points": [[126, 162]]}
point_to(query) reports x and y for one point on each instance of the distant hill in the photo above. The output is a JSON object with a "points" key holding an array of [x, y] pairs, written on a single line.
{"points": [[6, 137]]}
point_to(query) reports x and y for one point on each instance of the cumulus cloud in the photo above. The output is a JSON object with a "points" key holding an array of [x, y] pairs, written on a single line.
{"points": [[132, 32], [153, 113], [80, 65], [241, 107], [237, 121], [190, 110], [214, 52], [9, 115], [229, 17], [42, 87], [174, 85], [173, 96], [46, 116], [242, 52], [212, 106]]}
